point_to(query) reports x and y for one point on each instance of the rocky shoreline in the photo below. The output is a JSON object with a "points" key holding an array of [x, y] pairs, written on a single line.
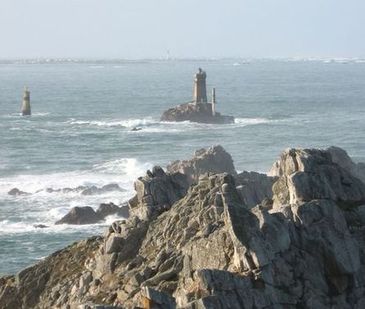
{"points": [[201, 235]]}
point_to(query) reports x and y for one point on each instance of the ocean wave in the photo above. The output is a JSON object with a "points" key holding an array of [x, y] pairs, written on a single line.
{"points": [[150, 125], [7, 227], [251, 121], [130, 167], [127, 123], [121, 171]]}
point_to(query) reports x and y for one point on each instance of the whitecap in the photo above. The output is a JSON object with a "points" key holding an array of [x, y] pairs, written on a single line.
{"points": [[126, 123], [251, 121]]}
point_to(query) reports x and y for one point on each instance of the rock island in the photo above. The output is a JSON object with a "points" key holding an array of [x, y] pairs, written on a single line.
{"points": [[199, 110]]}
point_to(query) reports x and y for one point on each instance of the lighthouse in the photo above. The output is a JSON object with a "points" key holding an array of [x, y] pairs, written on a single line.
{"points": [[26, 111], [200, 87]]}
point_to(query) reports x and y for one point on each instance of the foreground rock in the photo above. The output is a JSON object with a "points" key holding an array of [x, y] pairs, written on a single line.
{"points": [[211, 249], [87, 215], [309, 174], [157, 192], [212, 160], [341, 157]]}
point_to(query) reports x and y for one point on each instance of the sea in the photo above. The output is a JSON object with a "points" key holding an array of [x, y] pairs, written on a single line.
{"points": [[83, 112]]}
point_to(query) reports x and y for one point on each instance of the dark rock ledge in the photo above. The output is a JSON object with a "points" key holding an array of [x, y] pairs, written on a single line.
{"points": [[225, 241]]}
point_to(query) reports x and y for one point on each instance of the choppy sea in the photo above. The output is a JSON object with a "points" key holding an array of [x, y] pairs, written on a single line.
{"points": [[83, 113]]}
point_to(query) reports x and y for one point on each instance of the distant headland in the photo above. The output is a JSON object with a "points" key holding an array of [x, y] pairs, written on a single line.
{"points": [[199, 110]]}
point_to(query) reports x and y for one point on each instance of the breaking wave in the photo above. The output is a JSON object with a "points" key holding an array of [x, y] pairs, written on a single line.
{"points": [[45, 207], [251, 121]]}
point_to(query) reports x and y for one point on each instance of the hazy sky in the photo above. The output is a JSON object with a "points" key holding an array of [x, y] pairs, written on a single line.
{"points": [[188, 28]]}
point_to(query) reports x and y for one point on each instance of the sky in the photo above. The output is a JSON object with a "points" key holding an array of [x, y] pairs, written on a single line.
{"points": [[135, 29]]}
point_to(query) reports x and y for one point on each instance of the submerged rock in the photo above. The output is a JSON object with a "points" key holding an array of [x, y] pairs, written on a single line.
{"points": [[211, 249], [16, 192], [80, 215], [85, 190], [40, 226], [87, 215], [104, 189]]}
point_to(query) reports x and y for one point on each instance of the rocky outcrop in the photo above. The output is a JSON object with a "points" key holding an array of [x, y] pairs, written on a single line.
{"points": [[309, 174], [87, 215], [195, 113], [108, 209], [211, 249], [156, 192], [80, 215], [212, 160], [255, 188], [341, 157]]}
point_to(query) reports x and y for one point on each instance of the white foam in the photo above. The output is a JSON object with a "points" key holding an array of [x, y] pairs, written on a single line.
{"points": [[251, 121], [121, 171], [127, 123], [42, 207]]}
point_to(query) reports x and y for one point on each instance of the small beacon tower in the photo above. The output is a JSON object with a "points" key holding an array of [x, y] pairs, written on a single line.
{"points": [[26, 111], [200, 88], [213, 102]]}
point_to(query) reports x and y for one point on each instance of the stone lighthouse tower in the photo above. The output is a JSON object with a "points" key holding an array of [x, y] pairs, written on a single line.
{"points": [[26, 111], [200, 87]]}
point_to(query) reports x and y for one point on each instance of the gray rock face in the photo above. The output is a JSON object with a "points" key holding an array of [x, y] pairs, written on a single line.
{"points": [[254, 188], [211, 160], [341, 157], [156, 192], [107, 209], [308, 174], [80, 215], [211, 249], [195, 113]]}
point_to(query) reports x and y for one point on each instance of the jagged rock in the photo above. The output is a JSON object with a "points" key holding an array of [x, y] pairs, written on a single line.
{"points": [[16, 192], [341, 157], [308, 174], [254, 188], [156, 192], [211, 160], [107, 209], [80, 215], [211, 250]]}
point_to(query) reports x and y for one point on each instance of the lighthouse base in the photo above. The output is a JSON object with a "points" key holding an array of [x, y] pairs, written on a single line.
{"points": [[201, 112]]}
